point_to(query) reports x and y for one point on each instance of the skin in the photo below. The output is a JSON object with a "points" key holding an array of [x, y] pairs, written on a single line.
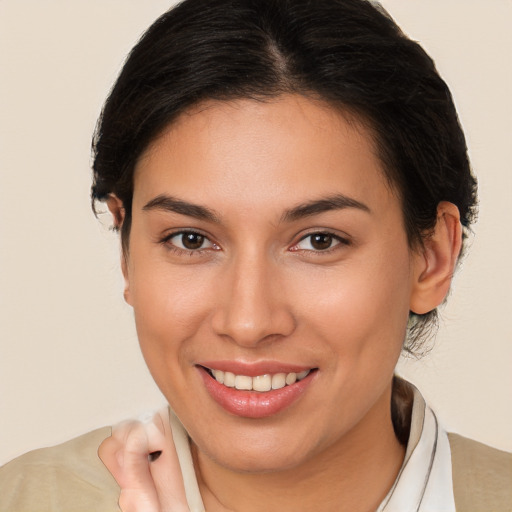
{"points": [[257, 289]]}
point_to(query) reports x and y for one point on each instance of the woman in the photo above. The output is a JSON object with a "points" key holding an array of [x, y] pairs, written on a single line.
{"points": [[291, 186]]}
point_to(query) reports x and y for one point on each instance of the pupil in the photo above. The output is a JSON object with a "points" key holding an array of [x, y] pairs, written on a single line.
{"points": [[192, 240], [321, 241]]}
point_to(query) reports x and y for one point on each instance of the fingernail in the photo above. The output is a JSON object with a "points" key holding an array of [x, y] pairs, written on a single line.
{"points": [[154, 455]]}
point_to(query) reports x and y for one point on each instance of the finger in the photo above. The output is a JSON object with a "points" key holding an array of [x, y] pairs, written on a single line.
{"points": [[138, 492], [126, 456], [107, 452], [165, 469], [111, 450]]}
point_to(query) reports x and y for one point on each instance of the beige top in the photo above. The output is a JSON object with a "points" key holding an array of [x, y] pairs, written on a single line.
{"points": [[71, 478]]}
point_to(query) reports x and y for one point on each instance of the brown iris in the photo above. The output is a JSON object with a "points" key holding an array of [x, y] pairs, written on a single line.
{"points": [[192, 240], [321, 241]]}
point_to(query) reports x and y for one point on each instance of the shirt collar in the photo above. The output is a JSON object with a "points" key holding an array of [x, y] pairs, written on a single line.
{"points": [[424, 483]]}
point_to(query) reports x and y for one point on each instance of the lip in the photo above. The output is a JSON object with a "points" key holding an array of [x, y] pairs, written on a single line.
{"points": [[255, 404], [254, 369]]}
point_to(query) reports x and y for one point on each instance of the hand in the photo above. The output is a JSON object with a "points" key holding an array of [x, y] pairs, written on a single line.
{"points": [[142, 458]]}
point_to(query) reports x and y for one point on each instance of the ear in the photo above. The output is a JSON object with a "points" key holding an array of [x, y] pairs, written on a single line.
{"points": [[435, 262], [116, 208]]}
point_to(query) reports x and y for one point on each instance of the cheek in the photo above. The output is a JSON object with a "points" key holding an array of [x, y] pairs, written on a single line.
{"points": [[361, 308], [357, 319], [170, 308], [170, 311]]}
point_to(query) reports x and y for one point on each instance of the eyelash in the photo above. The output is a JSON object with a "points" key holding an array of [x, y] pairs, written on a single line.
{"points": [[340, 242], [166, 241]]}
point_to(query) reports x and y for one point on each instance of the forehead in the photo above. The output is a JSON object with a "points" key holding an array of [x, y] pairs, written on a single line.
{"points": [[262, 153]]}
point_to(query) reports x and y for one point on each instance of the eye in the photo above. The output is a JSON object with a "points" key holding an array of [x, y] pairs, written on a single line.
{"points": [[189, 241], [318, 242]]}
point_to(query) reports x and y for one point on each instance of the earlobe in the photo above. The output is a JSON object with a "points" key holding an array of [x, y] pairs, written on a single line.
{"points": [[124, 269], [116, 208], [435, 262]]}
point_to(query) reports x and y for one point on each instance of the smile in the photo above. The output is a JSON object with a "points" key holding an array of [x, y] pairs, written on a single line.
{"points": [[266, 392], [261, 383]]}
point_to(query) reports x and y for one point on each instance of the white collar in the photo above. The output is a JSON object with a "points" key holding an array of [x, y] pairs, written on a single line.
{"points": [[424, 483]]}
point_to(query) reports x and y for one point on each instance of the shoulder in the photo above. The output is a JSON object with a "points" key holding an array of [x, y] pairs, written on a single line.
{"points": [[482, 476], [69, 476]]}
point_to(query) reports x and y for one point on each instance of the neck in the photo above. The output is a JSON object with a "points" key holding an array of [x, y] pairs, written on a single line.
{"points": [[354, 474]]}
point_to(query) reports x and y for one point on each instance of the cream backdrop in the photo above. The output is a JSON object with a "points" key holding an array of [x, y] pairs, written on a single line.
{"points": [[69, 358]]}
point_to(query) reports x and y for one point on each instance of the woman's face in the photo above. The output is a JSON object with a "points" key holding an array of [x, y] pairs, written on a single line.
{"points": [[265, 240]]}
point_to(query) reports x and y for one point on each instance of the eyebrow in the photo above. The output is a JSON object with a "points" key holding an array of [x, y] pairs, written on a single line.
{"points": [[325, 204], [171, 204]]}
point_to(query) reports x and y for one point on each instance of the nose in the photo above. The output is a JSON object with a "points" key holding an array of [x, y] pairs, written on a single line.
{"points": [[252, 306]]}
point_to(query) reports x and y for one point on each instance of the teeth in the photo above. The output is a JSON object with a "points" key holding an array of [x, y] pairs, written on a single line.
{"points": [[219, 376], [290, 378], [243, 382], [301, 375], [278, 380], [229, 379], [260, 383]]}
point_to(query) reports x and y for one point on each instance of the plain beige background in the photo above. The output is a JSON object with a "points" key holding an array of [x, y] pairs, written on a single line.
{"points": [[69, 359]]}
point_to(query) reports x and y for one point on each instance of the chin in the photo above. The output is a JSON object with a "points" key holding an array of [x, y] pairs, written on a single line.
{"points": [[255, 461], [255, 453]]}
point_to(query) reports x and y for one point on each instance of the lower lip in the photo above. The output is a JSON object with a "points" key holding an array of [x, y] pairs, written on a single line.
{"points": [[254, 404]]}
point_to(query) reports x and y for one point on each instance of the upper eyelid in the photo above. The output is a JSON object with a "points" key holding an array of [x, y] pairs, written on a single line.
{"points": [[343, 237], [174, 232], [184, 251], [342, 241], [165, 240]]}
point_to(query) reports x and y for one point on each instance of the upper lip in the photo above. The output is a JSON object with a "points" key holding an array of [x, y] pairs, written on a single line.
{"points": [[253, 369]]}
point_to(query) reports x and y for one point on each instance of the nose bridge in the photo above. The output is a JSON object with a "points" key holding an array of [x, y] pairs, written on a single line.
{"points": [[253, 307]]}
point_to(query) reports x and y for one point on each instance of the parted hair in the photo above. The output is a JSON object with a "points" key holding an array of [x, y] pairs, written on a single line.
{"points": [[348, 53]]}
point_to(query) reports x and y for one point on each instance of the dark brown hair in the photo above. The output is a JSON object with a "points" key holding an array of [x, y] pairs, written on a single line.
{"points": [[349, 53]]}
